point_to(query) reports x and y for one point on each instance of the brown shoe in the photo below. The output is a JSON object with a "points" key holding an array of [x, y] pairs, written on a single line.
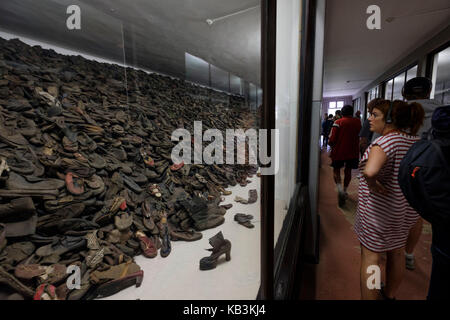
{"points": [[219, 247], [17, 210], [244, 219], [15, 284]]}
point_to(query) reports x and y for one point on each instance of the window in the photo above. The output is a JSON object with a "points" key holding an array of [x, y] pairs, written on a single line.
{"points": [[374, 93], [411, 73], [357, 104], [399, 82], [441, 77], [389, 86], [395, 85], [334, 106]]}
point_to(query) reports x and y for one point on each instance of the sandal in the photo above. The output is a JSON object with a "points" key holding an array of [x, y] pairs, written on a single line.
{"points": [[147, 159], [155, 190], [74, 184], [45, 292], [147, 216], [177, 166], [147, 245]]}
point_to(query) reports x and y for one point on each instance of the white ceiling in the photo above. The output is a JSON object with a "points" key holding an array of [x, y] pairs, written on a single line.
{"points": [[156, 33], [359, 55]]}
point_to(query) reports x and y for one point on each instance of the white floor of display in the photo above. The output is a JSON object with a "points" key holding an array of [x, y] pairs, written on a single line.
{"points": [[178, 276]]}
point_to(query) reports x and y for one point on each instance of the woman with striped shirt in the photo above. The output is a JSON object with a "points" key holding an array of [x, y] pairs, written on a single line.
{"points": [[384, 217]]}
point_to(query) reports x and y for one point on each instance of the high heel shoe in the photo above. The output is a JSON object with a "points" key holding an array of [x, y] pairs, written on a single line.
{"points": [[219, 247]]}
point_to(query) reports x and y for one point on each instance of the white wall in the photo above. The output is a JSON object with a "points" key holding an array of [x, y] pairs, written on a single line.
{"points": [[287, 90]]}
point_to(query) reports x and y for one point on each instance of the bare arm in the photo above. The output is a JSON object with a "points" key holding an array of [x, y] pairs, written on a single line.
{"points": [[377, 159], [363, 144]]}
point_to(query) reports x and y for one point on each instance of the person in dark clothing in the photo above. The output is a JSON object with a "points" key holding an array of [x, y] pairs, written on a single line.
{"points": [[418, 90], [365, 135], [440, 243], [344, 142], [338, 115], [326, 128]]}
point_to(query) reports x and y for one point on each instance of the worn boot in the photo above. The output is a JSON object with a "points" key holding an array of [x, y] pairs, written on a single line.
{"points": [[219, 246]]}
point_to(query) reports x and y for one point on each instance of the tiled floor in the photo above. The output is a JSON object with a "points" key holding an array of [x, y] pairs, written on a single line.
{"points": [[337, 274]]}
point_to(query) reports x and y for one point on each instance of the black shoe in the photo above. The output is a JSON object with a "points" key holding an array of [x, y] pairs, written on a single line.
{"points": [[341, 199]]}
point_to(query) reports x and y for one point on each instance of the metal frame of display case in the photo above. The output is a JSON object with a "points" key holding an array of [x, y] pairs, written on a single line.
{"points": [[281, 269]]}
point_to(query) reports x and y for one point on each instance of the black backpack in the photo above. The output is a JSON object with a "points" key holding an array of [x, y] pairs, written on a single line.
{"points": [[424, 174]]}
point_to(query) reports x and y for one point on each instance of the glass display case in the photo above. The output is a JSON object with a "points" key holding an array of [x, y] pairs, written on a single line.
{"points": [[94, 99]]}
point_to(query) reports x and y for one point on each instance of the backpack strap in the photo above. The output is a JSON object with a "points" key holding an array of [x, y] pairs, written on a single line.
{"points": [[440, 154]]}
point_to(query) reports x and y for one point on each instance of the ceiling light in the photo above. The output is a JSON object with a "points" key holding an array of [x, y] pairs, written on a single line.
{"points": [[211, 21], [348, 81]]}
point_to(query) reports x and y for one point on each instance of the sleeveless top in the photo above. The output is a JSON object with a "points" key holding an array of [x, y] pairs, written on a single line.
{"points": [[383, 221]]}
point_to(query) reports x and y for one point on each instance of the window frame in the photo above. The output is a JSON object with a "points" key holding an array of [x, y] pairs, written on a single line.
{"points": [[395, 75], [336, 101], [430, 65]]}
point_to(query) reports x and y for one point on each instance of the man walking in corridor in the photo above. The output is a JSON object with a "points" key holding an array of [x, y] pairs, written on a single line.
{"points": [[344, 142]]}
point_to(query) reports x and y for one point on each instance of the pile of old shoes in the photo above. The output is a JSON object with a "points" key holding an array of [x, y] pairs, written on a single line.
{"points": [[244, 219], [86, 175]]}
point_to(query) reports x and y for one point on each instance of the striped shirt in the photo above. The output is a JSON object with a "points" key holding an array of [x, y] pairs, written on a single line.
{"points": [[383, 221]]}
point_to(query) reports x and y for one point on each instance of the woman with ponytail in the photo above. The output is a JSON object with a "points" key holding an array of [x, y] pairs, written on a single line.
{"points": [[384, 217]]}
